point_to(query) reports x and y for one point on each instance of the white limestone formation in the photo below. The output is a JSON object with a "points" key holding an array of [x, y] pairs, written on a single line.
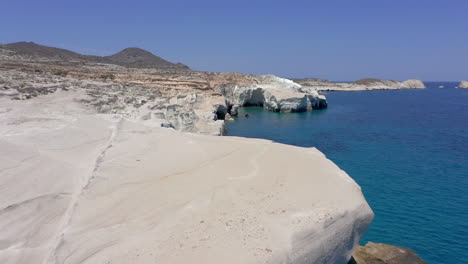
{"points": [[413, 84], [274, 94], [463, 84], [82, 187]]}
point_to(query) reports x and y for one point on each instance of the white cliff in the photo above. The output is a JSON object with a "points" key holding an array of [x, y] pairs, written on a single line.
{"points": [[413, 84], [83, 187], [170, 101], [274, 94], [463, 84], [186, 100]]}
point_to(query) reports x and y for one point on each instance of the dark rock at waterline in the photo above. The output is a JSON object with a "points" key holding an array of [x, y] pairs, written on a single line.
{"points": [[378, 253], [234, 110]]}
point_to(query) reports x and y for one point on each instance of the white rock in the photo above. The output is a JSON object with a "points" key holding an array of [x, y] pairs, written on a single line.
{"points": [[274, 94], [10, 92], [235, 110], [84, 188], [413, 84], [463, 84], [228, 117]]}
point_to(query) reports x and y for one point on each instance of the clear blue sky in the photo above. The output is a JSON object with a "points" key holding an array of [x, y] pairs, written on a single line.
{"points": [[339, 40]]}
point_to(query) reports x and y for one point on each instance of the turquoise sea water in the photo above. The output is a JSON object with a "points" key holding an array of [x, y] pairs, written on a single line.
{"points": [[408, 149]]}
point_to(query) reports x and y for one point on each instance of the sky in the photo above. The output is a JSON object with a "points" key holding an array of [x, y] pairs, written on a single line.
{"points": [[338, 40]]}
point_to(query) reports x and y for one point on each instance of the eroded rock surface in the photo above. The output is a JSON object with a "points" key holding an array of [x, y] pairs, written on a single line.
{"points": [[187, 110], [272, 93], [168, 96], [91, 173], [87, 187]]}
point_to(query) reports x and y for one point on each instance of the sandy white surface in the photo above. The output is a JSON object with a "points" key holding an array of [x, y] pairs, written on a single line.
{"points": [[77, 187]]}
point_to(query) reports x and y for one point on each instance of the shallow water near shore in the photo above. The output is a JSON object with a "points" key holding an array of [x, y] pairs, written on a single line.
{"points": [[407, 149]]}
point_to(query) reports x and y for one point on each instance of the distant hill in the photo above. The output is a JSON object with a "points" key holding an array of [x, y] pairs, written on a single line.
{"points": [[370, 81], [33, 49], [309, 79], [130, 57], [139, 58]]}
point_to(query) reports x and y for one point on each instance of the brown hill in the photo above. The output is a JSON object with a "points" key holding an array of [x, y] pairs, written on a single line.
{"points": [[370, 81], [130, 57], [33, 49], [139, 58]]}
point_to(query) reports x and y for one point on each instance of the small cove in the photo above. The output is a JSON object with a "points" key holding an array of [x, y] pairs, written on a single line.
{"points": [[407, 149]]}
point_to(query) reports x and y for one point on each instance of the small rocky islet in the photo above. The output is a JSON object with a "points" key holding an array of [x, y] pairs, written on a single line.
{"points": [[463, 84], [135, 190]]}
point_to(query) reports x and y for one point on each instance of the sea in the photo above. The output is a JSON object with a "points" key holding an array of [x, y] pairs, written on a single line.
{"points": [[407, 149]]}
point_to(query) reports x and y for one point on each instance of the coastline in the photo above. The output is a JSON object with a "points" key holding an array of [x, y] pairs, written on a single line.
{"points": [[232, 132], [220, 196], [362, 132], [78, 120]]}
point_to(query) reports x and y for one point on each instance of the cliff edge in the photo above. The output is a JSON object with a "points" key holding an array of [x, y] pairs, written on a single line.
{"points": [[88, 187]]}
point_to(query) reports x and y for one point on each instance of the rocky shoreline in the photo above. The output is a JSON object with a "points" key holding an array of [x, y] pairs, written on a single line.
{"points": [[273, 94], [83, 143], [186, 100], [88, 187]]}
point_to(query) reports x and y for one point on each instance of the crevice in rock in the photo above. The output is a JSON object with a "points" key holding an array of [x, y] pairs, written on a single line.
{"points": [[58, 241]]}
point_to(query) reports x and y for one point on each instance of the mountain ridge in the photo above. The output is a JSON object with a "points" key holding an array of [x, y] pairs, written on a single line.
{"points": [[130, 57]]}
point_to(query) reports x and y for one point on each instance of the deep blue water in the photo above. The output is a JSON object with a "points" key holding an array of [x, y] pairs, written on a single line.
{"points": [[407, 149]]}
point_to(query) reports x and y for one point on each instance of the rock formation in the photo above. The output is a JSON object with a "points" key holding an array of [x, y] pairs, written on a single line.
{"points": [[162, 94], [377, 253], [86, 187], [188, 110], [360, 85], [272, 93], [463, 84], [413, 84], [94, 170]]}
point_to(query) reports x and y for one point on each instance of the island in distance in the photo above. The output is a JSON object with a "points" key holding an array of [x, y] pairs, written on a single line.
{"points": [[95, 167], [463, 84], [359, 85]]}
